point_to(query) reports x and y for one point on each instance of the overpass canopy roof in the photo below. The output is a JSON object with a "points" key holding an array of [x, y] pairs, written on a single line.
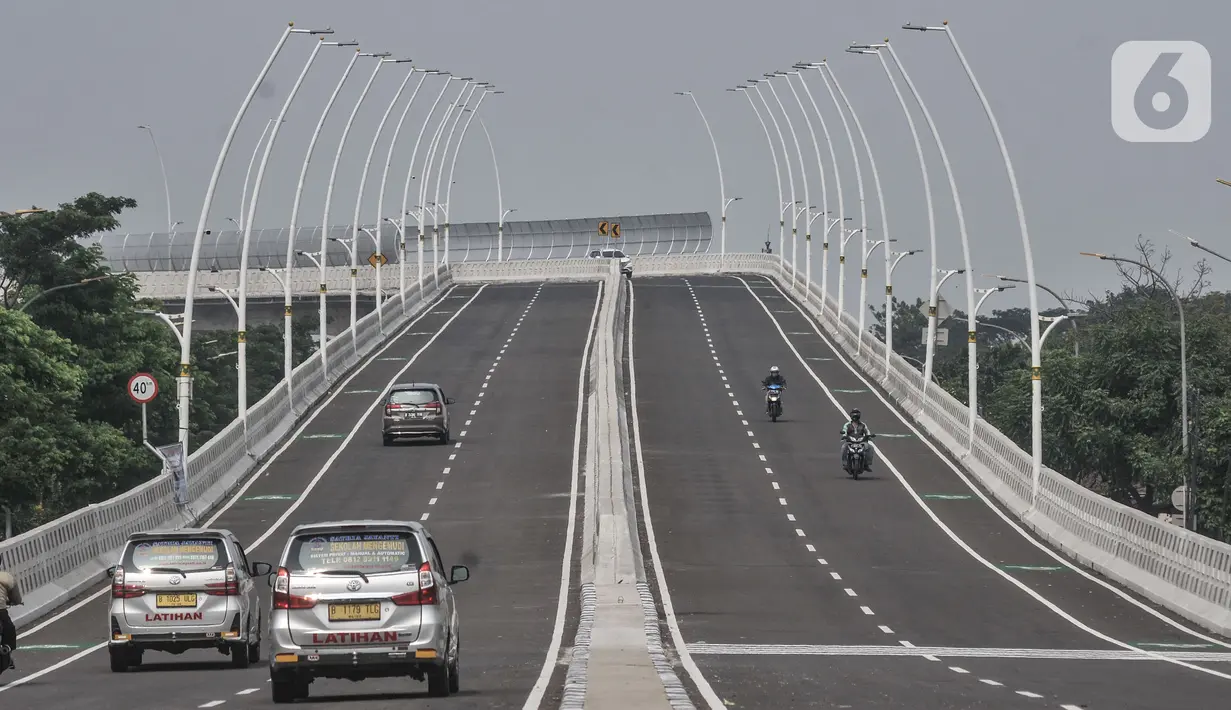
{"points": [[160, 251]]}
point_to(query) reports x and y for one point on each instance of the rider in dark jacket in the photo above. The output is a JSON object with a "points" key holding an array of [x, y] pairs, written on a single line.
{"points": [[774, 378], [856, 428]]}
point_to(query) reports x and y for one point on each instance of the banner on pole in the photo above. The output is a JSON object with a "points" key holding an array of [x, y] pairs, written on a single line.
{"points": [[174, 465]]}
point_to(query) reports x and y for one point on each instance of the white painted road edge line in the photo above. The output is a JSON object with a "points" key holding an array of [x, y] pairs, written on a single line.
{"points": [[690, 666], [983, 497], [294, 505], [945, 528], [553, 649]]}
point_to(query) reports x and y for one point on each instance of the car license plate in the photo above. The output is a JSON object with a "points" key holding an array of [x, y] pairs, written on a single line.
{"points": [[165, 601], [354, 612]]}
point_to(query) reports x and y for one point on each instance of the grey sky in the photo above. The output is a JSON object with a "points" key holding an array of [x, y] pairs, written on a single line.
{"points": [[590, 126]]}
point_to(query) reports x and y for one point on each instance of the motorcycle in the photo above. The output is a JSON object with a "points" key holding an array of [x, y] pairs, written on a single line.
{"points": [[856, 456], [773, 402]]}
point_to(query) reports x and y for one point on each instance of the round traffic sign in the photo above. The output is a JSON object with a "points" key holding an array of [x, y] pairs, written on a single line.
{"points": [[142, 388], [1179, 497]]}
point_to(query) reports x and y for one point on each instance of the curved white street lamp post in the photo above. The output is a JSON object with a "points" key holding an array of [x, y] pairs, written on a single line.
{"points": [[410, 175], [880, 199], [803, 175], [1190, 487], [166, 185], [1199, 245], [329, 198], [816, 148], [930, 347], [971, 354], [897, 257], [790, 173], [184, 380], [1036, 394], [429, 160], [461, 140], [400, 223], [358, 217], [242, 328], [722, 189], [863, 210], [830, 222], [773, 152], [243, 196], [1064, 303], [333, 175], [443, 207], [303, 174], [499, 196]]}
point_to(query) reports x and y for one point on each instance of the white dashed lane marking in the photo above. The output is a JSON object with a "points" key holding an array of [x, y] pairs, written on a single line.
{"points": [[799, 532]]}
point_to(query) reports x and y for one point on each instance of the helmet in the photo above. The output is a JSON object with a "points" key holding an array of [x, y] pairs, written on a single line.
{"points": [[854, 415], [773, 370]]}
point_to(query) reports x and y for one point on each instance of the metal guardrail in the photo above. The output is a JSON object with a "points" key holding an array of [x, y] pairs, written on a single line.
{"points": [[1179, 569], [1176, 568]]}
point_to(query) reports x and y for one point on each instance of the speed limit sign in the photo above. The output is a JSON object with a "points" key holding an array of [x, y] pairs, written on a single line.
{"points": [[142, 388]]}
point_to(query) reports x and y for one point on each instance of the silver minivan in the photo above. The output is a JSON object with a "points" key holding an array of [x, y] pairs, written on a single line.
{"points": [[363, 599], [178, 590]]}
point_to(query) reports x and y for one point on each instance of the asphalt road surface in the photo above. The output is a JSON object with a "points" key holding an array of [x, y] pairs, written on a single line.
{"points": [[497, 499], [795, 586]]}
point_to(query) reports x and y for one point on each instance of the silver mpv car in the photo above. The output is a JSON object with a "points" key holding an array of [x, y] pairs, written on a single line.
{"points": [[363, 599], [182, 589]]}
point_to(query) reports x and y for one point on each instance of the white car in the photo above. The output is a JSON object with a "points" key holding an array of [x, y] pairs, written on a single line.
{"points": [[363, 599], [626, 264], [182, 589]]}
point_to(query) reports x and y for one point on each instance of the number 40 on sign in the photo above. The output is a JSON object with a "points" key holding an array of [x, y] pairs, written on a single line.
{"points": [[142, 388]]}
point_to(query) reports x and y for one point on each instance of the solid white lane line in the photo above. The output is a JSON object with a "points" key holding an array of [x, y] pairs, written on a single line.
{"points": [[664, 594], [551, 660], [962, 543]]}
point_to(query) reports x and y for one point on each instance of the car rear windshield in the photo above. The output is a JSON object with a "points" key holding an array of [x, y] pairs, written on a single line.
{"points": [[181, 553], [412, 397], [371, 552]]}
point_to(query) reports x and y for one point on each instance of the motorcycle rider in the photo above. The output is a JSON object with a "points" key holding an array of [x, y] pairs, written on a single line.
{"points": [[857, 429], [774, 378], [10, 595]]}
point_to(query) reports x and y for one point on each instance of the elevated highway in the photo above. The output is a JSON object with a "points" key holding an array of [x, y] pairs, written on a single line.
{"points": [[773, 579]]}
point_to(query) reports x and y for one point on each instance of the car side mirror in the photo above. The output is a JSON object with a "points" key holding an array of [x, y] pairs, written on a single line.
{"points": [[261, 569], [458, 573], [449, 400], [111, 570]]}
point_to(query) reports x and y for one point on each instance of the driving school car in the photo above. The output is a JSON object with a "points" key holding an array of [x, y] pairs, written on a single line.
{"points": [[184, 589], [363, 599]]}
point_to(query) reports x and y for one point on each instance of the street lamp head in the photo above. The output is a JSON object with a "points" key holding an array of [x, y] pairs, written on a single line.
{"points": [[1087, 253], [913, 26], [683, 93], [397, 61], [349, 43], [326, 31], [753, 81], [736, 199]]}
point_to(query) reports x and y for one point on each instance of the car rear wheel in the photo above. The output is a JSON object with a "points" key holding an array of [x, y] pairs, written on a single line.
{"points": [[284, 690], [239, 655], [387, 440], [439, 681], [119, 660], [455, 681], [444, 438]]}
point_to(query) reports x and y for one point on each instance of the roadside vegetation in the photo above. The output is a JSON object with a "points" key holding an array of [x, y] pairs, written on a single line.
{"points": [[71, 435], [1111, 385]]}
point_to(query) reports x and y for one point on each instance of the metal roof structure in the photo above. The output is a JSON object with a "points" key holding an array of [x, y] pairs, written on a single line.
{"points": [[221, 250]]}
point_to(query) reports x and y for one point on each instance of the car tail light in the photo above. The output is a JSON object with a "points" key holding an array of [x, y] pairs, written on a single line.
{"points": [[391, 408], [425, 594], [229, 588], [432, 405], [283, 599], [119, 590]]}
